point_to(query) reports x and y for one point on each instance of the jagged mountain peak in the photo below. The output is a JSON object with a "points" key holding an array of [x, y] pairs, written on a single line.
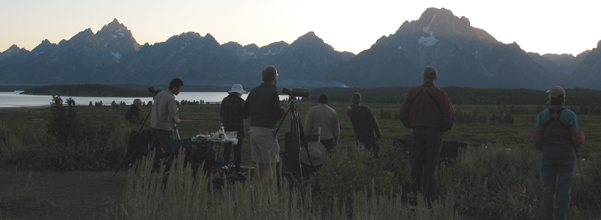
{"points": [[435, 24], [189, 34], [309, 37], [46, 45], [85, 34], [117, 38], [114, 25], [13, 49]]}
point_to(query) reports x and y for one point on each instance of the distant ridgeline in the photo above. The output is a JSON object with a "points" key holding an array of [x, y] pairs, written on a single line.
{"points": [[92, 90], [461, 95]]}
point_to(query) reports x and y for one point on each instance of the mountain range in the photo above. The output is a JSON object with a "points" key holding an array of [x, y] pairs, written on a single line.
{"points": [[464, 56]]}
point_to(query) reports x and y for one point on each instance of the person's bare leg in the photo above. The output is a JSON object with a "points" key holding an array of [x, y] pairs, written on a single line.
{"points": [[266, 170]]}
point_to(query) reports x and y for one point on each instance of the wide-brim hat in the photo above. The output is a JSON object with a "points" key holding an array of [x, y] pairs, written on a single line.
{"points": [[318, 154], [237, 88]]}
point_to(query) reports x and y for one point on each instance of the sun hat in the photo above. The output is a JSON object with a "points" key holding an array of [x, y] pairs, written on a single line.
{"points": [[237, 88], [430, 72], [557, 92], [317, 151]]}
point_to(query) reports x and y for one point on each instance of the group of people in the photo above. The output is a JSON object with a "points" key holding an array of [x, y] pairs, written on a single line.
{"points": [[426, 109]]}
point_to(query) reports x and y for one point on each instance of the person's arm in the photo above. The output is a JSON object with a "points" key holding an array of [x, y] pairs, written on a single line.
{"points": [[448, 113], [577, 133], [221, 108], [336, 127], [246, 109], [309, 122], [172, 110], [375, 125], [274, 102], [537, 134], [349, 109], [404, 111]]}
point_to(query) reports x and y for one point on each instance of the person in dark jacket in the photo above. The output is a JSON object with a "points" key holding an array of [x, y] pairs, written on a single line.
{"points": [[133, 114], [559, 137], [263, 107], [232, 114], [365, 124], [427, 110]]}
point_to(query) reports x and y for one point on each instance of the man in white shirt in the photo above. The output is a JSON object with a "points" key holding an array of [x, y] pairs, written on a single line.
{"points": [[164, 112], [324, 117]]}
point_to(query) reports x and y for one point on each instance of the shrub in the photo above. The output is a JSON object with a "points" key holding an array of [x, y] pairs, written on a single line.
{"points": [[495, 182], [148, 196], [586, 192], [65, 143], [356, 168]]}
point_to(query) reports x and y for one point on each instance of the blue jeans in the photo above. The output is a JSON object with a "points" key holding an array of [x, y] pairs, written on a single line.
{"points": [[426, 144], [558, 174]]}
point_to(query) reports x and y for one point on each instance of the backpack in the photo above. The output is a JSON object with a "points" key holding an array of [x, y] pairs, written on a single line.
{"points": [[445, 125], [554, 121]]}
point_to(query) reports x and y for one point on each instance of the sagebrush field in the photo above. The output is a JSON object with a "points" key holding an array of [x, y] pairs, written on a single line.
{"points": [[496, 177]]}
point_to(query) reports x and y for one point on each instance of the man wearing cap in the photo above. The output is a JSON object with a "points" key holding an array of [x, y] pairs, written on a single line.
{"points": [[133, 114], [364, 123], [559, 137], [164, 112], [232, 116], [263, 107], [322, 118], [427, 110]]}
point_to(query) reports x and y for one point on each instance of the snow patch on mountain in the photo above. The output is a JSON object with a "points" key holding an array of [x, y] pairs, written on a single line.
{"points": [[427, 41], [431, 40], [427, 29], [246, 53], [117, 55]]}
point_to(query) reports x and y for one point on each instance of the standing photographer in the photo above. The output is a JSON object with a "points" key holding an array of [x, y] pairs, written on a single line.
{"points": [[559, 136], [324, 117], [427, 110], [164, 111], [365, 124], [263, 107], [231, 112]]}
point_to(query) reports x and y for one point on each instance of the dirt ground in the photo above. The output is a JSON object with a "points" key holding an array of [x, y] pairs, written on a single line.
{"points": [[46, 194]]}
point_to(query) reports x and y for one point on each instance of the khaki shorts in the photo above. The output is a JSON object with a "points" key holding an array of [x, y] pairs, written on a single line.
{"points": [[265, 147]]}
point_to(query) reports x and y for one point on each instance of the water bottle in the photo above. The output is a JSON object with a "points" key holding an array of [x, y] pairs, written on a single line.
{"points": [[221, 131]]}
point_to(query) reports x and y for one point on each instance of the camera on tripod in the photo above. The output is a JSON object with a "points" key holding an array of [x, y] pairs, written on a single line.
{"points": [[297, 92]]}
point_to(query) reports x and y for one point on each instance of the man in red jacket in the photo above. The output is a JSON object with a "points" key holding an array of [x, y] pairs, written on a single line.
{"points": [[429, 112]]}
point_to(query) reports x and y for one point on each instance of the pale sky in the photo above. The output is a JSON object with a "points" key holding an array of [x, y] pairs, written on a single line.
{"points": [[348, 25]]}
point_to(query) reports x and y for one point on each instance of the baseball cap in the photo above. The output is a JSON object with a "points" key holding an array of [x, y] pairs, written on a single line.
{"points": [[430, 71], [557, 92]]}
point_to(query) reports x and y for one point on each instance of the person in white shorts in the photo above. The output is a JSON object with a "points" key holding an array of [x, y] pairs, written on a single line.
{"points": [[263, 107]]}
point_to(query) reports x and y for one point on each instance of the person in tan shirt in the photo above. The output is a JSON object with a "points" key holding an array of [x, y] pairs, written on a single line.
{"points": [[324, 117], [164, 112]]}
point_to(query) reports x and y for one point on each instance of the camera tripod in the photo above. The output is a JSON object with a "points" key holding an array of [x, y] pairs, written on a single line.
{"points": [[297, 140]]}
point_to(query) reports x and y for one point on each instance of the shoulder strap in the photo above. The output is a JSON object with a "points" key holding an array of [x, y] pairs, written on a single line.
{"points": [[436, 102], [555, 116], [414, 97]]}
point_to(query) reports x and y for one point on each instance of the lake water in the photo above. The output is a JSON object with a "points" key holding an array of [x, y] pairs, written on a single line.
{"points": [[16, 100]]}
